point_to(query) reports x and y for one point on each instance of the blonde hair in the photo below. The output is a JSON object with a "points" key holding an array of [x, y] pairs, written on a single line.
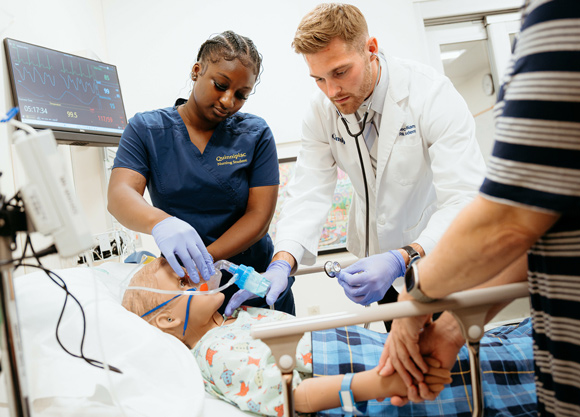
{"points": [[328, 21], [141, 301]]}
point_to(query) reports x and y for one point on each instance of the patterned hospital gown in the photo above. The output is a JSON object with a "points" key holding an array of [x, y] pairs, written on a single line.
{"points": [[241, 370]]}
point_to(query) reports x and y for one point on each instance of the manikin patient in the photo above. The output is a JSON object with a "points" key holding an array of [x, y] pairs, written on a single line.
{"points": [[238, 368]]}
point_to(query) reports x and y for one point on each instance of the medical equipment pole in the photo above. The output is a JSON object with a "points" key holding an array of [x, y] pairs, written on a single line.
{"points": [[11, 348], [53, 208], [476, 384]]}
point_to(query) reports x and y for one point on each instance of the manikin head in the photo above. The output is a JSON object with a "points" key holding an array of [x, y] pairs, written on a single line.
{"points": [[171, 318], [340, 54], [227, 68]]}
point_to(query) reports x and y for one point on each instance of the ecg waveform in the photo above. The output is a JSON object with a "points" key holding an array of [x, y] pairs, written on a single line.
{"points": [[71, 82], [59, 87]]}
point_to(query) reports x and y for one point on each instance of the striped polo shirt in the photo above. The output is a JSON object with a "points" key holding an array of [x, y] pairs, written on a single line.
{"points": [[536, 164]]}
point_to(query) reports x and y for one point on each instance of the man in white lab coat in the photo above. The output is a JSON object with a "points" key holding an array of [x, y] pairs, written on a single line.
{"points": [[421, 159]]}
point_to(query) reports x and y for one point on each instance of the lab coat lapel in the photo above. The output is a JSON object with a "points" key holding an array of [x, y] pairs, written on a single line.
{"points": [[393, 117]]}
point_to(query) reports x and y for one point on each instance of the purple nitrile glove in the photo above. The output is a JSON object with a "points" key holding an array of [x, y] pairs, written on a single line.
{"points": [[176, 237], [277, 273], [368, 279], [239, 298]]}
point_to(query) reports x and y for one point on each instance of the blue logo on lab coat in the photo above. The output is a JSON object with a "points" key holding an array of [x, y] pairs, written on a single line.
{"points": [[338, 139], [408, 130]]}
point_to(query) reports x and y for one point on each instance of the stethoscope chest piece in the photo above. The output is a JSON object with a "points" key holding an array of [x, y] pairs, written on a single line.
{"points": [[332, 268]]}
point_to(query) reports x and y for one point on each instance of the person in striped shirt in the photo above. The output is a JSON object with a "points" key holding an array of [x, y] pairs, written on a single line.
{"points": [[527, 216]]}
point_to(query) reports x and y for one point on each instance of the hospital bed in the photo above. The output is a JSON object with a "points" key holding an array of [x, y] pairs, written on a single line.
{"points": [[470, 309], [160, 376]]}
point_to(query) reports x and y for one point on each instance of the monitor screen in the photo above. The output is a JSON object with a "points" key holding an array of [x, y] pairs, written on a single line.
{"points": [[79, 99]]}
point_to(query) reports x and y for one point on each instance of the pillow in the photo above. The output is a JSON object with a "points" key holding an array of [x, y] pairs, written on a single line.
{"points": [[160, 376]]}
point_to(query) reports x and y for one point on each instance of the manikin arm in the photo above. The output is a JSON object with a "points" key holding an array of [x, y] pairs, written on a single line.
{"points": [[322, 393]]}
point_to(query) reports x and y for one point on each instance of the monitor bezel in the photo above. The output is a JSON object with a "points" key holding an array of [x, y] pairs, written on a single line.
{"points": [[65, 135]]}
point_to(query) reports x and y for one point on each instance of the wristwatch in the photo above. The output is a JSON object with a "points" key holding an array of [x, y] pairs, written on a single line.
{"points": [[413, 255], [349, 407], [412, 284]]}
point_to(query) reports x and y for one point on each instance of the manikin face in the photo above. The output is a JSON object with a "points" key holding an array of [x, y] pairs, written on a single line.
{"points": [[343, 74], [201, 311], [222, 89]]}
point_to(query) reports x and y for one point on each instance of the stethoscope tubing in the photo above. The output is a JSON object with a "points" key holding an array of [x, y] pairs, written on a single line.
{"points": [[356, 139]]}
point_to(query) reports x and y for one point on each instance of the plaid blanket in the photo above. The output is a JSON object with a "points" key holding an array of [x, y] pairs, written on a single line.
{"points": [[506, 360]]}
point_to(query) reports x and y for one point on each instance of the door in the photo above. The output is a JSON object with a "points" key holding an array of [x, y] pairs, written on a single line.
{"points": [[475, 55]]}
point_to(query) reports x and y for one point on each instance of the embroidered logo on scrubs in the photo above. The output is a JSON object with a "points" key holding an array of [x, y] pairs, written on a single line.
{"points": [[338, 139], [408, 130], [237, 158]]}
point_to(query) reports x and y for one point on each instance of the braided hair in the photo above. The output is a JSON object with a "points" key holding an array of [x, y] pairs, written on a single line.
{"points": [[229, 45]]}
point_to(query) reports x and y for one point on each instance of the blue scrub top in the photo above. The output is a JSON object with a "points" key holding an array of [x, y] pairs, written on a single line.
{"points": [[209, 190]]}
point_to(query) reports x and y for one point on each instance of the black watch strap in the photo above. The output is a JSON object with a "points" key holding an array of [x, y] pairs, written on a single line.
{"points": [[413, 254]]}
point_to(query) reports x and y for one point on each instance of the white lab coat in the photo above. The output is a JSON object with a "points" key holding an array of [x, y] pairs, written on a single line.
{"points": [[429, 166]]}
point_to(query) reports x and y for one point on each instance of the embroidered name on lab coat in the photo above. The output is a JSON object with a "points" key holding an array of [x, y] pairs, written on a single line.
{"points": [[236, 158], [408, 130], [338, 139]]}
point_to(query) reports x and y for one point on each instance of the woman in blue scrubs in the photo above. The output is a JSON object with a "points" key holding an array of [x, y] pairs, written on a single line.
{"points": [[211, 171]]}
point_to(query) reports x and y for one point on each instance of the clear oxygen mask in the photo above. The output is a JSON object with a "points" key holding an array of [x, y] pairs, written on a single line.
{"points": [[245, 277]]}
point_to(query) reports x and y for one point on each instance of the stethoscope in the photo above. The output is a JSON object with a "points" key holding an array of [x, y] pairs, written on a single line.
{"points": [[332, 268]]}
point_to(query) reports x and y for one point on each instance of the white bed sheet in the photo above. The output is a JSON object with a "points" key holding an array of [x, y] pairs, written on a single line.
{"points": [[160, 376]]}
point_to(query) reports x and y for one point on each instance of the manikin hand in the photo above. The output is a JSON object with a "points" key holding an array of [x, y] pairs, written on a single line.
{"points": [[441, 340], [277, 273], [402, 347], [367, 280], [176, 237]]}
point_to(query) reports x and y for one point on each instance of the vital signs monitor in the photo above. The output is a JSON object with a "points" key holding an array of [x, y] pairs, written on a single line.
{"points": [[79, 99]]}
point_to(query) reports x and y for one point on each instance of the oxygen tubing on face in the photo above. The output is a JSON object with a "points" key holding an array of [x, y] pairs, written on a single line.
{"points": [[245, 277]]}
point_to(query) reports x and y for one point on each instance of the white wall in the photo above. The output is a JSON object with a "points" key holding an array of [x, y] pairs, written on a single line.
{"points": [[479, 105], [155, 43], [65, 25]]}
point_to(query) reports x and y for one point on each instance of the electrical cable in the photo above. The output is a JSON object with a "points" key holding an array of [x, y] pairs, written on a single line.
{"points": [[53, 276], [48, 251]]}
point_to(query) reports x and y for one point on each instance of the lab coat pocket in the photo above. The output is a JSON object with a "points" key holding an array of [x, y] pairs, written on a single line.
{"points": [[408, 164], [414, 230]]}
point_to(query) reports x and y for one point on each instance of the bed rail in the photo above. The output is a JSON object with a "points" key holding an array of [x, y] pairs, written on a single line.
{"points": [[469, 308]]}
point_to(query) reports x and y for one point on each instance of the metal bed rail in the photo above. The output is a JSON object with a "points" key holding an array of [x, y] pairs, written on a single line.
{"points": [[469, 307]]}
